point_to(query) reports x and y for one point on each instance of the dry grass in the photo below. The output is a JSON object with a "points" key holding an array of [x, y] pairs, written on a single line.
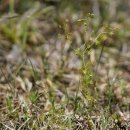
{"points": [[64, 71]]}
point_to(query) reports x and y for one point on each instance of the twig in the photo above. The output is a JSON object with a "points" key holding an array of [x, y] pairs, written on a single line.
{"points": [[8, 17], [6, 78], [98, 62]]}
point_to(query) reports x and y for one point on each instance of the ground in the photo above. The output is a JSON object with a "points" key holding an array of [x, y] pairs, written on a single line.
{"points": [[64, 66]]}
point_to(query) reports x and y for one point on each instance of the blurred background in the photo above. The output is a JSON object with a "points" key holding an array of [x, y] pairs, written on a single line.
{"points": [[38, 42]]}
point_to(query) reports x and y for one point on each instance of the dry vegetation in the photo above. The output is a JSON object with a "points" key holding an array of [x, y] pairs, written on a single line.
{"points": [[64, 65]]}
